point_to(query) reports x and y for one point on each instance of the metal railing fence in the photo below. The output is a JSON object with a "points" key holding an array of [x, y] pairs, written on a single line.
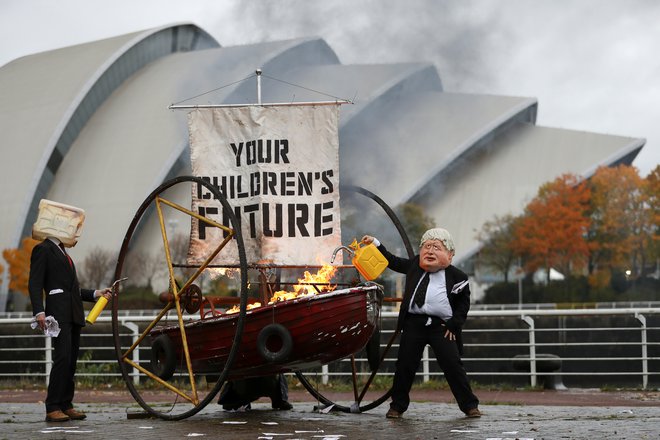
{"points": [[596, 347]]}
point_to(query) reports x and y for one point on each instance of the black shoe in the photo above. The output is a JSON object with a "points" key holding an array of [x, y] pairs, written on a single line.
{"points": [[282, 405]]}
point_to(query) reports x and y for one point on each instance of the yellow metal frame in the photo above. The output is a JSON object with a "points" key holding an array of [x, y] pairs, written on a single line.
{"points": [[193, 397]]}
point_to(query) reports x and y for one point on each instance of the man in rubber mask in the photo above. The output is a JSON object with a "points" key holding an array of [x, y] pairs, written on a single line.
{"points": [[435, 304]]}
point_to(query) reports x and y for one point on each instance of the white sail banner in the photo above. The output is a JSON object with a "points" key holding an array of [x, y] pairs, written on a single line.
{"points": [[278, 167]]}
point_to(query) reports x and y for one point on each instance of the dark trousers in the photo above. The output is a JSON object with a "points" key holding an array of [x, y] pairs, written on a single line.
{"points": [[61, 385], [237, 393], [416, 335]]}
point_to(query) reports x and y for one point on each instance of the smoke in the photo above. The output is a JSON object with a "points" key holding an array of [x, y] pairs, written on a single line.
{"points": [[590, 63], [454, 36]]}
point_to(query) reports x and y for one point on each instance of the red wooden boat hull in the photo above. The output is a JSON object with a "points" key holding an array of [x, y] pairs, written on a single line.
{"points": [[323, 328]]}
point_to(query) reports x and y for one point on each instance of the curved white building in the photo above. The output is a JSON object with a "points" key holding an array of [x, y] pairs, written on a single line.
{"points": [[89, 126]]}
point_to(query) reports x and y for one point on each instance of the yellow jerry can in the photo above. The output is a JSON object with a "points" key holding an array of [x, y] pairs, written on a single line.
{"points": [[368, 260]]}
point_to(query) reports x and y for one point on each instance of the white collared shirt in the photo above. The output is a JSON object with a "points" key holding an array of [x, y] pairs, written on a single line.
{"points": [[437, 301], [57, 242]]}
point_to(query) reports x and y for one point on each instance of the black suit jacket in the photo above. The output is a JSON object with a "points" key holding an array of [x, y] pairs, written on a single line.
{"points": [[459, 302], [52, 275]]}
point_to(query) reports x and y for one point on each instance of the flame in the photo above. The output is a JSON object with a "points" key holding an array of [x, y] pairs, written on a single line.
{"points": [[307, 285], [237, 309]]}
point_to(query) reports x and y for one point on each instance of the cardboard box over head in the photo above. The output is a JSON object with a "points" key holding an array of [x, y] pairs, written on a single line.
{"points": [[58, 220]]}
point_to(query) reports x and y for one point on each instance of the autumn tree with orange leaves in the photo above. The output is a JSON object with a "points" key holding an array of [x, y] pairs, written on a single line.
{"points": [[652, 190], [552, 232], [621, 221], [606, 226], [18, 260]]}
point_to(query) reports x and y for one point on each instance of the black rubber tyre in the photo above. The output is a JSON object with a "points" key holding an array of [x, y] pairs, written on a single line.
{"points": [[274, 343], [163, 357]]}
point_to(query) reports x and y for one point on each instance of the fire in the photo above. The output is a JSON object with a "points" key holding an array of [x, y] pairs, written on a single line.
{"points": [[306, 286], [237, 309]]}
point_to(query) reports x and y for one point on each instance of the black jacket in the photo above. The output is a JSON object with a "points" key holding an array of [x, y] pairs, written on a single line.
{"points": [[52, 275], [459, 301]]}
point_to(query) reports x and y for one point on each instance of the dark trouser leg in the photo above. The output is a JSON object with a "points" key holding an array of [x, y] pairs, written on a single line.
{"points": [[230, 398], [411, 347], [280, 396], [280, 389], [67, 398], [61, 386], [446, 353]]}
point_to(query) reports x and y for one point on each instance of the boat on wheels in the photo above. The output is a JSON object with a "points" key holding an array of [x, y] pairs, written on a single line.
{"points": [[263, 212]]}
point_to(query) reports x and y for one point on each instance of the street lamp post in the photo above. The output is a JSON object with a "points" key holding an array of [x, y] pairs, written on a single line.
{"points": [[520, 277]]}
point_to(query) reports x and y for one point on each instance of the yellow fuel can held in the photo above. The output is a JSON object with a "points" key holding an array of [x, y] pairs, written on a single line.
{"points": [[368, 260], [96, 310], [102, 302]]}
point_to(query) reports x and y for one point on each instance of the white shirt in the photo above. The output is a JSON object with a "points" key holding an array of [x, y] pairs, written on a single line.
{"points": [[437, 302], [57, 242]]}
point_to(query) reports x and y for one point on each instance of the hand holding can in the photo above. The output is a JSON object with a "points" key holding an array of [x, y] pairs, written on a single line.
{"points": [[101, 302]]}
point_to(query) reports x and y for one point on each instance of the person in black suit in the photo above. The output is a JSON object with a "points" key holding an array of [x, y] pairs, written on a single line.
{"points": [[53, 273], [435, 304]]}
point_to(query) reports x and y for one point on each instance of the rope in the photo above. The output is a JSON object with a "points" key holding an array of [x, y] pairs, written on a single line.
{"points": [[215, 90], [307, 88], [269, 77]]}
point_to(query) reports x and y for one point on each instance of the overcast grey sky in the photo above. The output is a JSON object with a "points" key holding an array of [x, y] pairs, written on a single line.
{"points": [[593, 65]]}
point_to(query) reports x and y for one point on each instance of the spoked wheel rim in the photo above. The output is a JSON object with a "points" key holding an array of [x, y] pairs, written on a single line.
{"points": [[190, 399], [360, 392]]}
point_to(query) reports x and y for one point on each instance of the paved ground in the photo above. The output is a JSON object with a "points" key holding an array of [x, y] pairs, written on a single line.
{"points": [[573, 414]]}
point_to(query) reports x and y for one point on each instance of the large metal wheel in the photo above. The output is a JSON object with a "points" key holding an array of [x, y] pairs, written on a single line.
{"points": [[375, 361], [184, 394]]}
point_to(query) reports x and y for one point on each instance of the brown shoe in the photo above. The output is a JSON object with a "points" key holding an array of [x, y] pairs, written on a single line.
{"points": [[393, 414], [75, 415], [57, 416], [473, 413]]}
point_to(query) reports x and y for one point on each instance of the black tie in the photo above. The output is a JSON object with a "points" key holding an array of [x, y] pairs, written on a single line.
{"points": [[420, 293]]}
